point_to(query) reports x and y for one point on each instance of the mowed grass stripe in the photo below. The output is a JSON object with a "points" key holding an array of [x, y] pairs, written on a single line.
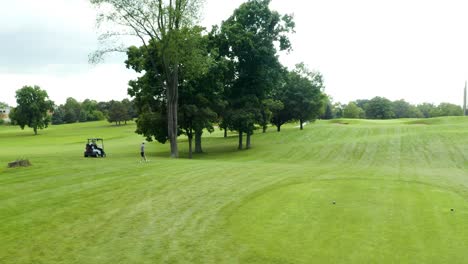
{"points": [[394, 183]]}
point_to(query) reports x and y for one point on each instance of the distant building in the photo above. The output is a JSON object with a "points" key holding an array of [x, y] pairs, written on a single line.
{"points": [[5, 113]]}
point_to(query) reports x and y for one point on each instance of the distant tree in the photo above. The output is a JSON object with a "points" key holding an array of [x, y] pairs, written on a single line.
{"points": [[90, 111], [58, 117], [337, 109], [3, 105], [414, 112], [72, 110], [33, 107], [130, 107], [351, 110], [362, 103], [328, 113], [117, 112], [304, 94], [401, 109], [97, 115], [448, 109], [427, 110], [83, 117], [103, 107], [129, 110], [379, 108]]}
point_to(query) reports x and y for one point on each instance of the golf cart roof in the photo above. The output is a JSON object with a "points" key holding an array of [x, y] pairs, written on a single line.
{"points": [[95, 139]]}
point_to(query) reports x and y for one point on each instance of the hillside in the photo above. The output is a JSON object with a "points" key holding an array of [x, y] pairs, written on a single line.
{"points": [[340, 191]]}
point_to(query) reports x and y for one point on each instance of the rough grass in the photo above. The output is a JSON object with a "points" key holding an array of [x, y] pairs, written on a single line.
{"points": [[394, 184]]}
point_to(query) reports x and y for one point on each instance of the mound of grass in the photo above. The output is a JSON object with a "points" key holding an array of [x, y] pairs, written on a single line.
{"points": [[437, 120], [394, 185], [373, 217]]}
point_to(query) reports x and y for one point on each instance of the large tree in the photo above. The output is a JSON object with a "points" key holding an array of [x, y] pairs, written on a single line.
{"points": [[33, 107], [303, 97], [201, 96], [379, 108], [195, 88], [250, 38], [160, 23]]}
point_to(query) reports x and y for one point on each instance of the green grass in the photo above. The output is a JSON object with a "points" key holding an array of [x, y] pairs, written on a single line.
{"points": [[394, 183]]}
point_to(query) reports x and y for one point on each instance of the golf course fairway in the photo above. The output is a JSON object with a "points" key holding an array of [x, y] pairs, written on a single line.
{"points": [[339, 191]]}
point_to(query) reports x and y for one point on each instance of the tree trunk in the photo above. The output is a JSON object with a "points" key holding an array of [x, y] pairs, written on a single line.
{"points": [[264, 128], [172, 100], [302, 127], [190, 137], [278, 128], [247, 142], [198, 146], [240, 141], [225, 132], [35, 130]]}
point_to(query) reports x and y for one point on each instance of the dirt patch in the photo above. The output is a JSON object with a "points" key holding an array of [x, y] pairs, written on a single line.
{"points": [[19, 163]]}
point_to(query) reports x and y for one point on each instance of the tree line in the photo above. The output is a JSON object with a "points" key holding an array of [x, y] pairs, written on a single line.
{"points": [[90, 110], [383, 108], [35, 110]]}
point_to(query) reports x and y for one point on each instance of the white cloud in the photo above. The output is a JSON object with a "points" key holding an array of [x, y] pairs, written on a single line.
{"points": [[102, 83]]}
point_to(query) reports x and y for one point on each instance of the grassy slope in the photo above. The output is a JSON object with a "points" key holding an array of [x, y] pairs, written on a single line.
{"points": [[394, 183]]}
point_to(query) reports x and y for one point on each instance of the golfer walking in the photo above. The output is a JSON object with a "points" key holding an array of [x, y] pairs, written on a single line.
{"points": [[142, 151]]}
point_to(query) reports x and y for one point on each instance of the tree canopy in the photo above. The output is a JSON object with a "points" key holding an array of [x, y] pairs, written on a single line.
{"points": [[163, 28], [301, 96], [379, 108], [250, 39], [351, 110], [33, 108]]}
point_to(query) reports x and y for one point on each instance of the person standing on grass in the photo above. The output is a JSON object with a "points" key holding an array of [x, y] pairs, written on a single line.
{"points": [[142, 151]]}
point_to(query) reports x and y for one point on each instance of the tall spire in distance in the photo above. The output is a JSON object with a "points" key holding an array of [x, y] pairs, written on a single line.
{"points": [[464, 101]]}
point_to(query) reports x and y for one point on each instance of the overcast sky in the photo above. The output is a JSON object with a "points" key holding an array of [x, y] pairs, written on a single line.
{"points": [[415, 50]]}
